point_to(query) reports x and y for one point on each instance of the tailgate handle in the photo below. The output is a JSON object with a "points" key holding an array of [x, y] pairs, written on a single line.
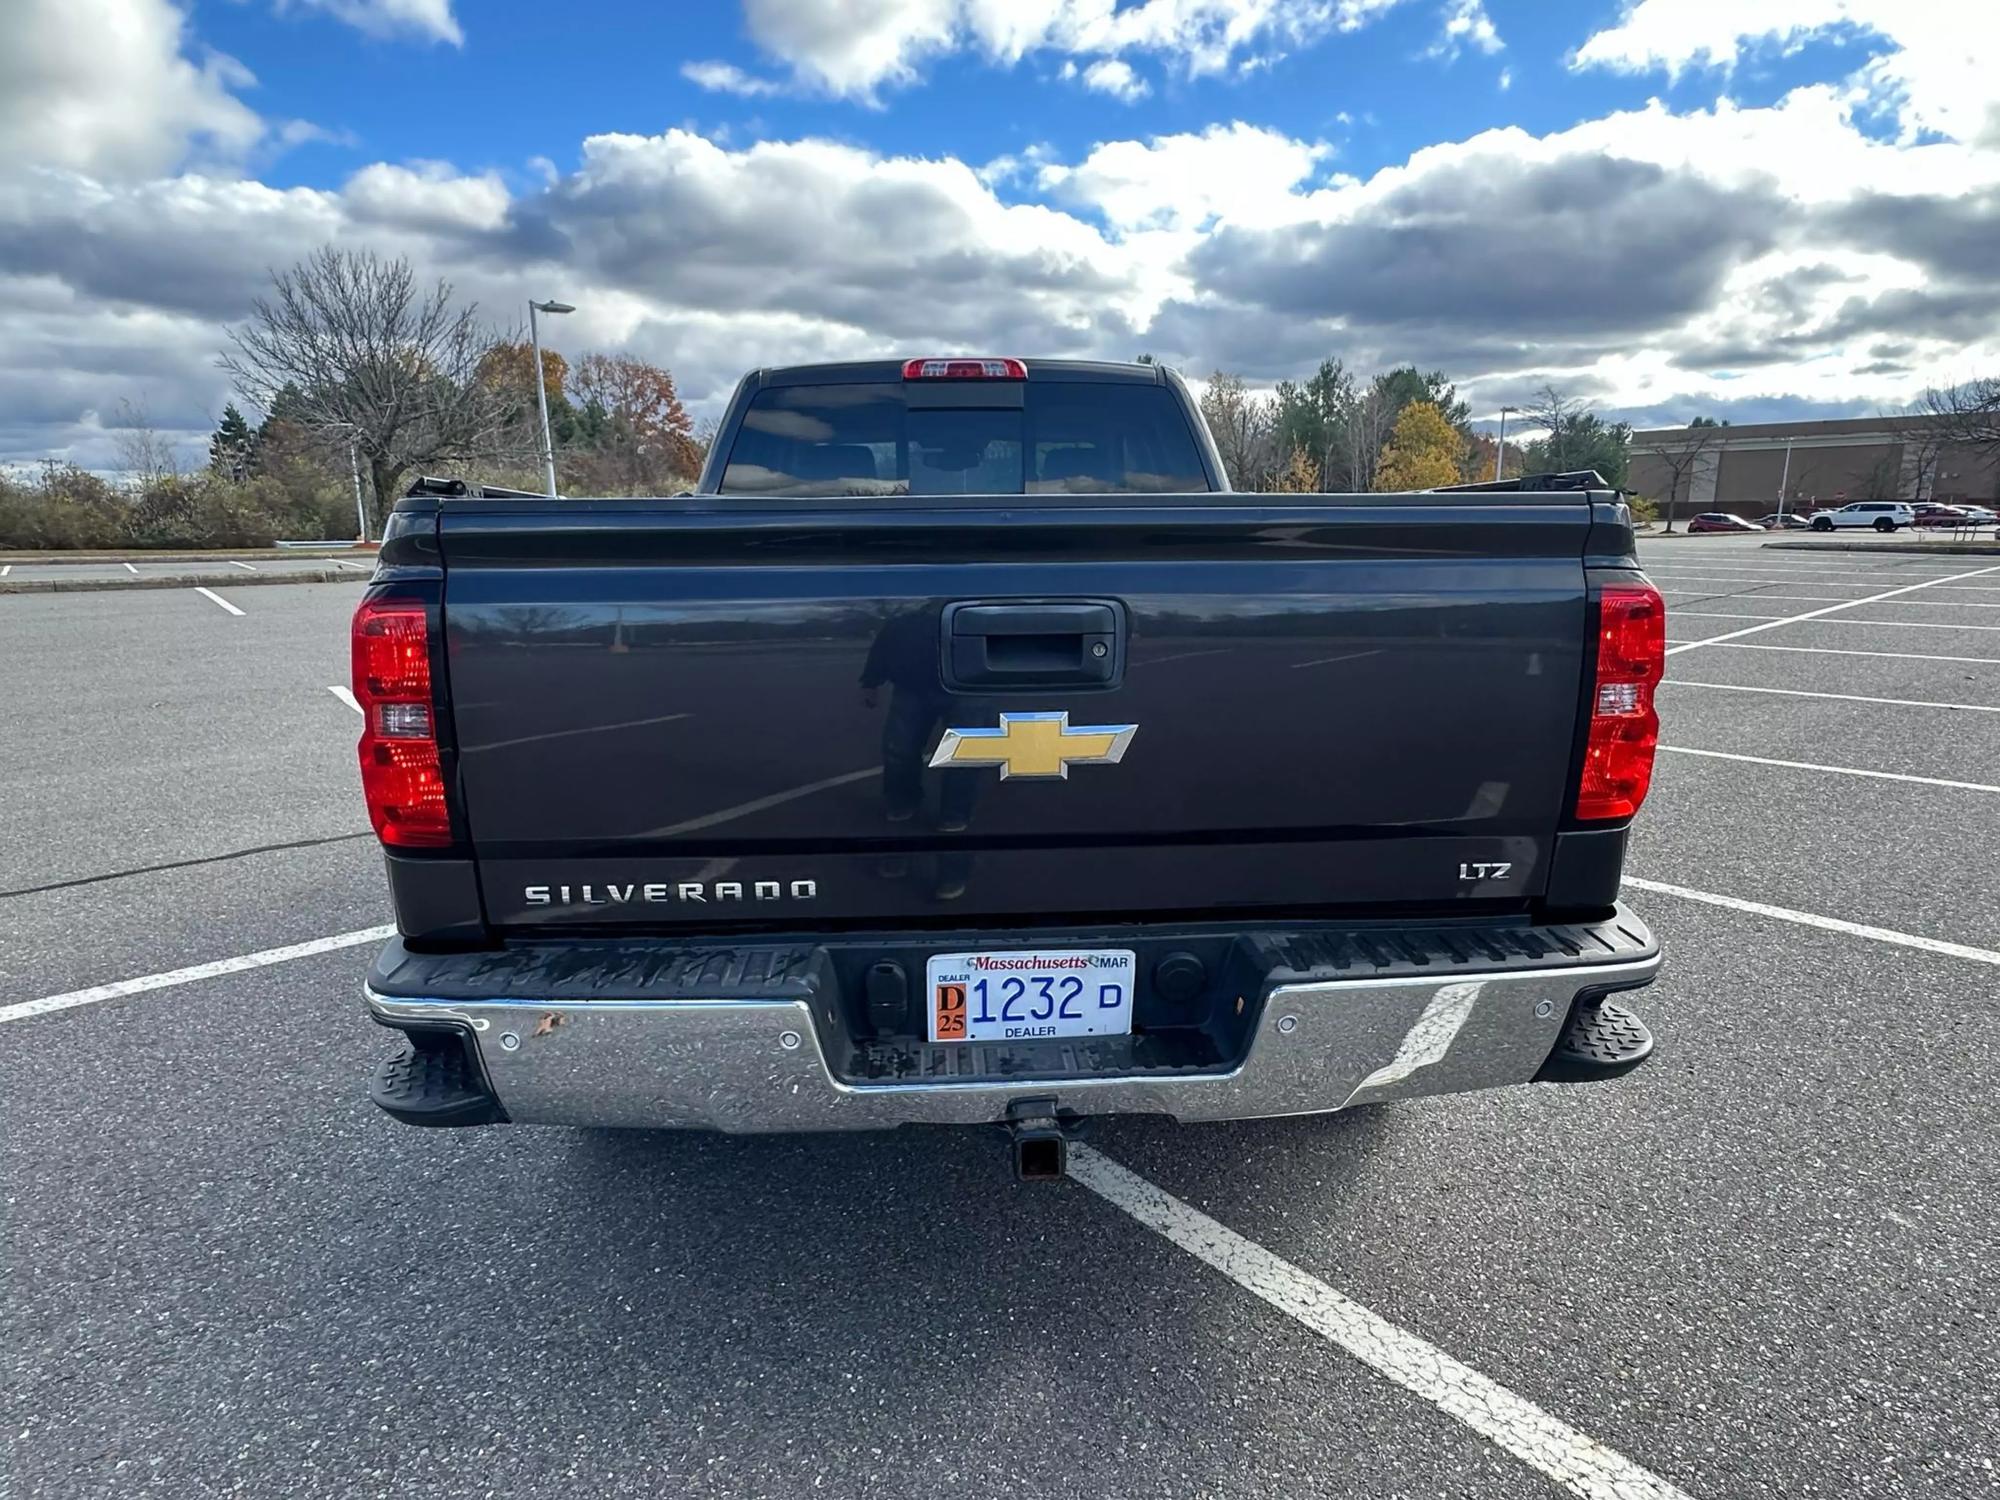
{"points": [[1079, 644]]}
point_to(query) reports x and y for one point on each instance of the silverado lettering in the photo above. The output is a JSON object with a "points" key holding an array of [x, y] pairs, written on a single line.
{"points": [[872, 684]]}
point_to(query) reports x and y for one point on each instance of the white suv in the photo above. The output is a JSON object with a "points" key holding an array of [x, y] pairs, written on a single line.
{"points": [[1883, 515]]}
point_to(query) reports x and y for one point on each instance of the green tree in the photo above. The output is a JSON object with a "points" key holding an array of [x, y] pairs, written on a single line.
{"points": [[1423, 451], [232, 450]]}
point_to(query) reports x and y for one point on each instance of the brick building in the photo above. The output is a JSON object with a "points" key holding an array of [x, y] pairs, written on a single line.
{"points": [[1829, 463]]}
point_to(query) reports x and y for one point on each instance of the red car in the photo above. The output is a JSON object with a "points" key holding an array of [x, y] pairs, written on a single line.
{"points": [[1929, 514], [1716, 520]]}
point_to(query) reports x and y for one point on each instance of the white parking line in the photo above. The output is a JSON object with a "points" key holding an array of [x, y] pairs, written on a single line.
{"points": [[243, 565], [216, 598], [124, 987], [1815, 614], [1978, 661], [1813, 919], [1579, 1463], [129, 568], [1806, 765], [358, 567], [1737, 687], [1327, 661], [345, 695], [5, 569], [1819, 599], [1699, 614]]}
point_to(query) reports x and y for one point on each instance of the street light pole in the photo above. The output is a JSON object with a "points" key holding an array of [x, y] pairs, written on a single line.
{"points": [[541, 387], [1784, 479], [354, 468], [1500, 448]]}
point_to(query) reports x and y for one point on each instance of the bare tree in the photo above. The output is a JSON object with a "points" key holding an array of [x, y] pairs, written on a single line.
{"points": [[1680, 455], [1558, 415], [1966, 415], [1242, 425], [144, 454], [361, 350]]}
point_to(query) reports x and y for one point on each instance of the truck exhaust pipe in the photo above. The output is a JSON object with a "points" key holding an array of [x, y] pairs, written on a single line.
{"points": [[1041, 1150]]}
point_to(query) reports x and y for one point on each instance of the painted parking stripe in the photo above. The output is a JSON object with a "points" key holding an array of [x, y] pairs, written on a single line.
{"points": [[1737, 687], [129, 568], [1806, 765], [1976, 661], [1821, 613], [5, 569], [358, 567], [243, 565], [1760, 598], [1814, 919], [345, 695], [1574, 1460], [194, 972], [1697, 614], [215, 598]]}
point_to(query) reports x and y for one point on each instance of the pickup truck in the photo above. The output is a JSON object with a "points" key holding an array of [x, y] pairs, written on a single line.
{"points": [[962, 749]]}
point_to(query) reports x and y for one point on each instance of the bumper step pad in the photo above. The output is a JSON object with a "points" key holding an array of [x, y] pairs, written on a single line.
{"points": [[1602, 1040], [433, 1082]]}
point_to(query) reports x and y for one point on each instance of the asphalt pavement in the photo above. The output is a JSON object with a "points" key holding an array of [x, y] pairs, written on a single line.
{"points": [[1764, 1265]]}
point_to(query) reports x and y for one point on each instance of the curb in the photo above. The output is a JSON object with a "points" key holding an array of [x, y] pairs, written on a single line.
{"points": [[31, 558], [1961, 549], [181, 581]]}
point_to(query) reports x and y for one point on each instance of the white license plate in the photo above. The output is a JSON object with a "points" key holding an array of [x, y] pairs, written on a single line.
{"points": [[1030, 996]]}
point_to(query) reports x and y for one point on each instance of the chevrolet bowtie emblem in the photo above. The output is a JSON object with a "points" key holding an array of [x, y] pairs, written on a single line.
{"points": [[1035, 745]]}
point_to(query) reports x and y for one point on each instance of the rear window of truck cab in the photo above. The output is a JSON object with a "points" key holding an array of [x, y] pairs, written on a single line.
{"points": [[1048, 438]]}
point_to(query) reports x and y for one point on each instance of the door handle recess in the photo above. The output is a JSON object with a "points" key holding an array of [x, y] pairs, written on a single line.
{"points": [[1031, 645]]}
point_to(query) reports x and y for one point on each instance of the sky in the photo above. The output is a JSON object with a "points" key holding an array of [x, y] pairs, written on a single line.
{"points": [[1753, 209]]}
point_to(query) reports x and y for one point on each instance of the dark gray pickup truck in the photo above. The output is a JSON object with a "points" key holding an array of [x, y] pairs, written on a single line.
{"points": [[964, 750]]}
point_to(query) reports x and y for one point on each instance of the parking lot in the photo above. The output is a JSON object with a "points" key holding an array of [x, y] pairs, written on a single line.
{"points": [[1763, 1265]]}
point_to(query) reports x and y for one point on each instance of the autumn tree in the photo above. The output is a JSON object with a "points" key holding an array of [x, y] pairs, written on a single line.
{"points": [[1298, 476], [629, 415], [1423, 450], [368, 353]]}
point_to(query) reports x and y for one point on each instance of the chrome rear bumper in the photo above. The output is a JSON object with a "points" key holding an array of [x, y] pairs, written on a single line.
{"points": [[747, 1064]]}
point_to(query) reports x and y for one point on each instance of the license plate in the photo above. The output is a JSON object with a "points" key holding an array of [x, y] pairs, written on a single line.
{"points": [[1006, 997]]}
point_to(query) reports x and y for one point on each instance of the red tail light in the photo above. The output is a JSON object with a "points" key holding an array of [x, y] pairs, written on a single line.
{"points": [[964, 369], [1631, 657], [401, 774]]}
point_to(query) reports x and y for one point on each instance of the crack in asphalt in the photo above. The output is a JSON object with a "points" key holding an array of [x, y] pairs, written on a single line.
{"points": [[184, 864]]}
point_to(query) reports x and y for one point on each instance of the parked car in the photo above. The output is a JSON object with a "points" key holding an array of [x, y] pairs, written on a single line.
{"points": [[1929, 514], [1978, 515], [1790, 520], [1716, 520], [1882, 515]]}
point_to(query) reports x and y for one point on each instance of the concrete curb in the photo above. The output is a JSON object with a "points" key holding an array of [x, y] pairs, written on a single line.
{"points": [[31, 558], [1948, 549], [179, 581]]}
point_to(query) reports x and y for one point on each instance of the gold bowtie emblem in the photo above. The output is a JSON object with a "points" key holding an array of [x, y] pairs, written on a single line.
{"points": [[1035, 745]]}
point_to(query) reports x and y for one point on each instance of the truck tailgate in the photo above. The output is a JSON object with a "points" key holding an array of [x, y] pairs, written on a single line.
{"points": [[719, 709]]}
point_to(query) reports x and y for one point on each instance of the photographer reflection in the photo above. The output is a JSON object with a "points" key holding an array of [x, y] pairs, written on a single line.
{"points": [[904, 657]]}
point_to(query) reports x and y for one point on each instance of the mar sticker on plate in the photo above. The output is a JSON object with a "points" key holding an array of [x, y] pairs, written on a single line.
{"points": [[1006, 997]]}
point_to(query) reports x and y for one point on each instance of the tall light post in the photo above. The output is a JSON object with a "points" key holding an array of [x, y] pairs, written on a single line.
{"points": [[1784, 480], [541, 387], [1500, 448]]}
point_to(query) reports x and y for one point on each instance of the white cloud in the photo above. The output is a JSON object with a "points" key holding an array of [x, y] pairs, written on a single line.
{"points": [[107, 87], [855, 51], [1238, 172], [429, 19], [1941, 72], [1114, 76], [727, 78], [1466, 24], [427, 195]]}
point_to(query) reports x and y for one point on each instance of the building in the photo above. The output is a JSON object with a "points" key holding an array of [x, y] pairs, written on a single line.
{"points": [[1817, 464]]}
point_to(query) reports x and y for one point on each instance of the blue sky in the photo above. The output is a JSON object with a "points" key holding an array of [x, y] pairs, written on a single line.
{"points": [[1664, 206]]}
